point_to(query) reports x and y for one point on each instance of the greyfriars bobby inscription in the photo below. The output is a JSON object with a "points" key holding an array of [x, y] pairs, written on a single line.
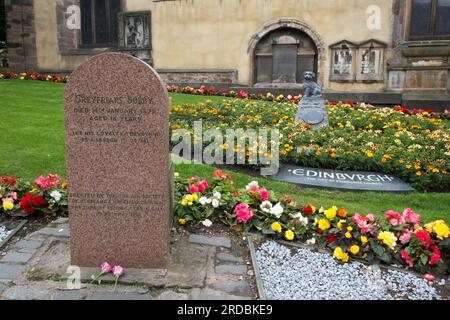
{"points": [[311, 108]]}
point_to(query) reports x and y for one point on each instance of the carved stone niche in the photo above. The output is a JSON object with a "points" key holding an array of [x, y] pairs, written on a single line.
{"points": [[343, 61], [281, 58], [370, 61]]}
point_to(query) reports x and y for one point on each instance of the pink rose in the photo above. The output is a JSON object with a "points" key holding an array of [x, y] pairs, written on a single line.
{"points": [[106, 267], [243, 213], [430, 277], [117, 271], [411, 217], [264, 194], [395, 219]]}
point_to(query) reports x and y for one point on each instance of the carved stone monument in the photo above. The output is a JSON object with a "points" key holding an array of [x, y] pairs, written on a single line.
{"points": [[312, 108], [117, 141]]}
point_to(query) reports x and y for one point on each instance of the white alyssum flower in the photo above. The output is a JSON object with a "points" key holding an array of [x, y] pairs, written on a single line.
{"points": [[207, 223], [215, 203], [303, 220], [277, 210], [252, 185], [217, 195], [266, 206], [311, 241], [55, 194], [204, 201]]}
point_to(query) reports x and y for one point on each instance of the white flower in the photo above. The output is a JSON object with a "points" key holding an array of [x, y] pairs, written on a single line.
{"points": [[55, 195], [215, 203], [176, 174], [303, 220], [311, 241], [266, 206], [277, 210], [207, 223], [217, 195], [252, 185], [204, 201]]}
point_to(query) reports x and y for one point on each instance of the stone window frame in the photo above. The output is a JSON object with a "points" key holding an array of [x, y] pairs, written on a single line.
{"points": [[111, 43], [343, 45], [357, 48], [299, 25], [408, 24]]}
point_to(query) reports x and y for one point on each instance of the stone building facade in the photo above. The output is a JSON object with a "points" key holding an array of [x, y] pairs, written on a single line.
{"points": [[382, 51]]}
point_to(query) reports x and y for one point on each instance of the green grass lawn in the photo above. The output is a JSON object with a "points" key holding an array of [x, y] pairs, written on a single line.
{"points": [[32, 144]]}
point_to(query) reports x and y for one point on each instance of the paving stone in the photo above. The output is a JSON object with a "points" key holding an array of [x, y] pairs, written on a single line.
{"points": [[18, 257], [229, 257], [231, 269], [55, 232], [28, 244], [32, 291], [172, 295], [61, 220], [70, 295], [107, 295], [210, 241], [232, 286], [209, 294], [10, 271]]}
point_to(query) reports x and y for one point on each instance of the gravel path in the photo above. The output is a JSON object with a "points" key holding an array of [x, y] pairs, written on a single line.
{"points": [[307, 275], [4, 233]]}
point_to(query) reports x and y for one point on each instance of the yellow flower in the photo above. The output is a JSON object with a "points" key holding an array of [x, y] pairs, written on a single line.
{"points": [[354, 249], [289, 235], [8, 205], [341, 255], [418, 173], [331, 213], [182, 221], [348, 235], [388, 239], [441, 230], [324, 224], [364, 239], [64, 185], [340, 224], [195, 197], [184, 202], [349, 229], [276, 226]]}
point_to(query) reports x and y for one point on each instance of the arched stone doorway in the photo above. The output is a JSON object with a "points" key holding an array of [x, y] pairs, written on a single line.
{"points": [[282, 51]]}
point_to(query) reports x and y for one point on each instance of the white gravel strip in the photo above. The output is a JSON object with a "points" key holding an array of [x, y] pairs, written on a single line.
{"points": [[4, 233], [307, 275]]}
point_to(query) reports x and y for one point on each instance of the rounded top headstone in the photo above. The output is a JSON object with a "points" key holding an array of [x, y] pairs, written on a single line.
{"points": [[313, 117]]}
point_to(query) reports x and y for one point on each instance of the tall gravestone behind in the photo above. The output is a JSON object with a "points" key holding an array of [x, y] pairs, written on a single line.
{"points": [[117, 141]]}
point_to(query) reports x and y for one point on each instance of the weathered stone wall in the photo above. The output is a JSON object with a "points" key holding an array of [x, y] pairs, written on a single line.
{"points": [[21, 35]]}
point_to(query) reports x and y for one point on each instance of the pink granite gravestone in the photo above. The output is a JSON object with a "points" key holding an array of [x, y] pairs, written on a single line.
{"points": [[117, 141]]}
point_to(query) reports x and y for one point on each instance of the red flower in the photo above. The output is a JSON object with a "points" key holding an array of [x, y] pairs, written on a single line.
{"points": [[436, 257], [308, 210], [29, 203], [407, 258], [423, 236], [331, 238]]}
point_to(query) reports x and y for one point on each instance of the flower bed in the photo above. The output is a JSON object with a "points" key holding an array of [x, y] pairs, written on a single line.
{"points": [[33, 76], [413, 146], [47, 195], [397, 239]]}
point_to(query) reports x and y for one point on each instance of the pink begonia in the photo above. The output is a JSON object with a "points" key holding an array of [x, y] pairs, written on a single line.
{"points": [[13, 195], [411, 217], [243, 213], [407, 258], [203, 185], [7, 200], [361, 221], [436, 257], [371, 217], [52, 180], [406, 236], [264, 194], [193, 188], [395, 219], [429, 277]]}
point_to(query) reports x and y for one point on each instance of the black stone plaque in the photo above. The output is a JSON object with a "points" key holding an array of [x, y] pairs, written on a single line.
{"points": [[312, 110], [337, 179], [284, 62]]}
